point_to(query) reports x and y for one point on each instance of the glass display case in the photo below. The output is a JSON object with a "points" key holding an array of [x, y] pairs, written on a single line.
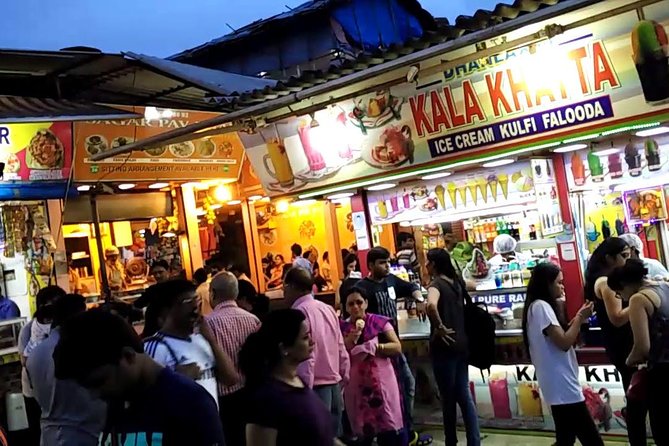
{"points": [[9, 339]]}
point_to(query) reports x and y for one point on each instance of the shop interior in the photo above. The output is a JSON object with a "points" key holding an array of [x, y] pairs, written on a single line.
{"points": [[614, 182]]}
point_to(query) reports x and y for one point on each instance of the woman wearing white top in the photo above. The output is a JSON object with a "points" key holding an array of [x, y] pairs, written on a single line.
{"points": [[552, 353]]}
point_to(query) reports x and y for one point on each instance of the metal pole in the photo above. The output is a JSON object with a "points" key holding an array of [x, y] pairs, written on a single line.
{"points": [[106, 290]]}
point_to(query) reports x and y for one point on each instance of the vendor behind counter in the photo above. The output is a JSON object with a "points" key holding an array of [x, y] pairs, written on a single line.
{"points": [[504, 247]]}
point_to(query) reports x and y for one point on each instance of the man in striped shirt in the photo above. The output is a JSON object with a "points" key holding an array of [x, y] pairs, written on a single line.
{"points": [[231, 326]]}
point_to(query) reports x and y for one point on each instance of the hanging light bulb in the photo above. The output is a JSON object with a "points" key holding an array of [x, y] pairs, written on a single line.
{"points": [[222, 193]]}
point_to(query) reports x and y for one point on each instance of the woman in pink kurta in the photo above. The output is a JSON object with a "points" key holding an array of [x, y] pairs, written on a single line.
{"points": [[372, 395]]}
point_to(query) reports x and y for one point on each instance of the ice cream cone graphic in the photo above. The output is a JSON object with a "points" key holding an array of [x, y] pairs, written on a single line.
{"points": [[452, 190], [503, 180], [493, 183], [439, 191], [462, 191], [482, 186], [471, 186]]}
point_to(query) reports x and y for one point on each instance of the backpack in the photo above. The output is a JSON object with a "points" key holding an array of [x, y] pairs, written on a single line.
{"points": [[480, 328]]}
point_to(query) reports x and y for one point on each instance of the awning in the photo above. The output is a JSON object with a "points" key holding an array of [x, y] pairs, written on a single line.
{"points": [[123, 79], [21, 109], [36, 190]]}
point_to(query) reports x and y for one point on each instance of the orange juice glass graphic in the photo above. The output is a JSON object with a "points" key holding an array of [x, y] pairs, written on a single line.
{"points": [[382, 208], [277, 163]]}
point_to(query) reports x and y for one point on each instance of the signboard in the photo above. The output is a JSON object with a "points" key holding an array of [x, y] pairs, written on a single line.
{"points": [[548, 90], [213, 157], [454, 197], [500, 299], [34, 152]]}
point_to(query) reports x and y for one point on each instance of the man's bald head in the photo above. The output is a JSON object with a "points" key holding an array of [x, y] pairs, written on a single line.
{"points": [[297, 283], [223, 287]]}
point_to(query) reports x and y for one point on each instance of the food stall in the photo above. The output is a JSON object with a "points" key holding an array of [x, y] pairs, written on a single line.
{"points": [[35, 162], [147, 200], [491, 120]]}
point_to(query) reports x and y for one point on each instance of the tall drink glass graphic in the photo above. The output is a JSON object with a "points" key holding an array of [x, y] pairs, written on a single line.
{"points": [[277, 163], [313, 154]]}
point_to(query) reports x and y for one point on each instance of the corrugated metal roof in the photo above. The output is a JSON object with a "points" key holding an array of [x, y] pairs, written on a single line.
{"points": [[445, 32], [259, 26], [21, 109], [128, 79]]}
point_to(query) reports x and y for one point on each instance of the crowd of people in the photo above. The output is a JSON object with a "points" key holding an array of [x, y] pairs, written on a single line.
{"points": [[632, 308], [214, 367]]}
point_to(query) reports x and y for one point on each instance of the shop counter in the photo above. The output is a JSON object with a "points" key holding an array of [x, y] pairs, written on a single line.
{"points": [[507, 396], [9, 339]]}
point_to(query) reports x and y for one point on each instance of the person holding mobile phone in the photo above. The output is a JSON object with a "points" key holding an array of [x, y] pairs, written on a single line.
{"points": [[550, 345]]}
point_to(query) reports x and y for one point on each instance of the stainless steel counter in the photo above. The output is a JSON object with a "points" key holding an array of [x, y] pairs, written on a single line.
{"points": [[412, 329]]}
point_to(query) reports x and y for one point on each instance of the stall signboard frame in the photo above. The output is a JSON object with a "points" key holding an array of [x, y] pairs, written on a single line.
{"points": [[36, 151], [534, 96], [212, 157]]}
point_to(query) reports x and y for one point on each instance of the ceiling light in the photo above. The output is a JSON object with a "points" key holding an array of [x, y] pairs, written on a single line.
{"points": [[340, 196], [158, 185], [434, 176], [84, 188], [234, 202], [222, 193], [282, 206], [126, 186], [302, 203], [169, 234], [607, 152], [196, 185], [255, 197], [405, 224], [382, 186], [652, 132], [498, 163], [570, 148]]}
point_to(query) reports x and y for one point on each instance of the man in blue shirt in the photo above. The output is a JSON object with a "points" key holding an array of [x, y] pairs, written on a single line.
{"points": [[8, 309], [152, 404]]}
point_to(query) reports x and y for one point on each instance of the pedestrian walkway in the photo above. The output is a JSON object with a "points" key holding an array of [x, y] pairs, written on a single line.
{"points": [[492, 439]]}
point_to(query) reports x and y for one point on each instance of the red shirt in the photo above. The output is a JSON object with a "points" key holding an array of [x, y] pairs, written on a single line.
{"points": [[231, 326]]}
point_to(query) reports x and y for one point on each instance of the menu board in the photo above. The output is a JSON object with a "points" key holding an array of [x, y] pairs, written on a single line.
{"points": [[625, 161], [34, 152], [453, 197], [213, 157]]}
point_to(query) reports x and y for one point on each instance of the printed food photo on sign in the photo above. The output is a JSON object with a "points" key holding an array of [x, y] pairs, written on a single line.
{"points": [[645, 205], [214, 157], [40, 151], [96, 144], [45, 151]]}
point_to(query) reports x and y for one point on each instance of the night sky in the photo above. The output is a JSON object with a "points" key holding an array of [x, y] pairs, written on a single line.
{"points": [[154, 27]]}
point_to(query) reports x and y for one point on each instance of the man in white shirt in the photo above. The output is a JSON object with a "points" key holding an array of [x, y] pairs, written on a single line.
{"points": [[185, 344], [656, 270]]}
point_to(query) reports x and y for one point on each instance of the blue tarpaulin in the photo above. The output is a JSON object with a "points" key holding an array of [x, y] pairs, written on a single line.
{"points": [[35, 191], [377, 24]]}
